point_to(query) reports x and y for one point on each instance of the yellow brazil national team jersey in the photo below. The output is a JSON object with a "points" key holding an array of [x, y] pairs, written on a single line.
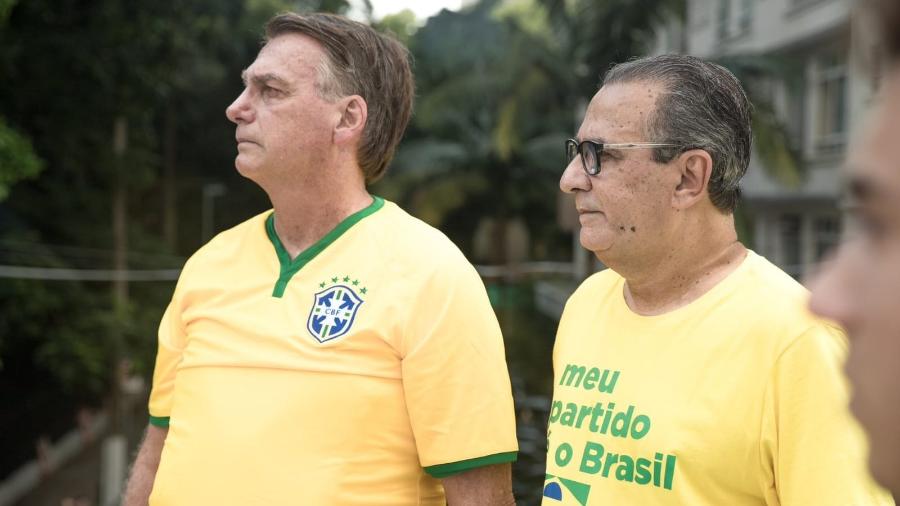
{"points": [[356, 374], [736, 399]]}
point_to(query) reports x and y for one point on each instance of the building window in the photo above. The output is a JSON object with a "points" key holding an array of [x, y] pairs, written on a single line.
{"points": [[699, 13], [734, 18], [789, 228], [827, 235], [745, 21], [801, 239], [831, 102], [724, 19], [799, 4]]}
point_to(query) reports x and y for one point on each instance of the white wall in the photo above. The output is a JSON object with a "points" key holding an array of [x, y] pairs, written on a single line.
{"points": [[776, 24]]}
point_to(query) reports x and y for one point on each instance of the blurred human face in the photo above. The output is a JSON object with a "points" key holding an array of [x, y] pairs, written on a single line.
{"points": [[623, 210], [860, 286], [282, 122]]}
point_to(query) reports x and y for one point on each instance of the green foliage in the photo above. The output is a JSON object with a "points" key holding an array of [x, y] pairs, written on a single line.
{"points": [[593, 35], [499, 85], [402, 25], [6, 7], [17, 159], [70, 71], [484, 94], [770, 135], [772, 143], [45, 333]]}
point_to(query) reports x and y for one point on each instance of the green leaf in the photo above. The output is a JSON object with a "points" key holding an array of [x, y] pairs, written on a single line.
{"points": [[17, 159]]}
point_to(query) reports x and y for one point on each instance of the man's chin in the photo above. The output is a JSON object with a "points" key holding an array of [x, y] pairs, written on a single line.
{"points": [[596, 245], [246, 169]]}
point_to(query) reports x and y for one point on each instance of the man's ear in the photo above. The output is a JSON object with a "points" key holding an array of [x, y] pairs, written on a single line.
{"points": [[696, 168], [354, 113]]}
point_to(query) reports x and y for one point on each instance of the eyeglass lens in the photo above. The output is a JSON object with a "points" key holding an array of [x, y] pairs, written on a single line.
{"points": [[589, 158], [587, 152]]}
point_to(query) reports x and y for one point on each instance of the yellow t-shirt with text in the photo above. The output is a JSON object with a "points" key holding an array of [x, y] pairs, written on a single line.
{"points": [[736, 399], [359, 373]]}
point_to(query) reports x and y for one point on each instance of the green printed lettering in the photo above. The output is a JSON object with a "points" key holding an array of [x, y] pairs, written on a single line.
{"points": [[555, 411], [590, 381], [563, 454], [625, 471], [609, 411], [608, 387], [644, 422], [643, 471], [585, 411], [657, 468], [670, 472], [572, 373], [592, 458], [621, 422], [568, 416], [611, 458], [598, 411]]}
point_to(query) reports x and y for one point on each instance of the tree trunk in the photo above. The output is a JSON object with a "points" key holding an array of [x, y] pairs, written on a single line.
{"points": [[120, 214], [169, 189]]}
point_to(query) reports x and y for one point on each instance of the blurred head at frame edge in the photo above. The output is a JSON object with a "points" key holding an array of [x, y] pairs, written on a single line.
{"points": [[858, 287]]}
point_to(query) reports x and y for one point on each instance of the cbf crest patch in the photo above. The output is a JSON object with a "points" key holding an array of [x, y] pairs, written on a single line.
{"points": [[334, 309]]}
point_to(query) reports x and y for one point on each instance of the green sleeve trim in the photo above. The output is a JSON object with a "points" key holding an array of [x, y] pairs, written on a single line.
{"points": [[159, 421], [445, 470], [290, 267]]}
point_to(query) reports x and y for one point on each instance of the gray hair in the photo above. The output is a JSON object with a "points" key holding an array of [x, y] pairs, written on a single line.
{"points": [[703, 107]]}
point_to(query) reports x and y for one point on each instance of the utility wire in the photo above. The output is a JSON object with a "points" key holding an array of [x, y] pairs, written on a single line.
{"points": [[78, 252], [52, 274]]}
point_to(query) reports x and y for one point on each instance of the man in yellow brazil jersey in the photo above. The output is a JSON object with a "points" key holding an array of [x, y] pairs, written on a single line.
{"points": [[690, 372], [334, 350], [859, 287]]}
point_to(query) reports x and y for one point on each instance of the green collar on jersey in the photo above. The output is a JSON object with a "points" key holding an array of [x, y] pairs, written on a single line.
{"points": [[290, 267]]}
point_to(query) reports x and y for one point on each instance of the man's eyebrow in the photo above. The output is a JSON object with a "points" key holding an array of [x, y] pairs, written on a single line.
{"points": [[599, 140], [262, 79]]}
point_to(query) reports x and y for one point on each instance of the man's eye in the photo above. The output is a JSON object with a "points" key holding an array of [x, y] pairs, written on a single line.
{"points": [[268, 91]]}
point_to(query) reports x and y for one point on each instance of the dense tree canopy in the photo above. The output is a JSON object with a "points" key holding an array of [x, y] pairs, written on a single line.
{"points": [[122, 106]]}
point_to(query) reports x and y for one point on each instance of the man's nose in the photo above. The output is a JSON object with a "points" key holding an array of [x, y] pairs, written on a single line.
{"points": [[574, 177], [240, 110], [834, 289]]}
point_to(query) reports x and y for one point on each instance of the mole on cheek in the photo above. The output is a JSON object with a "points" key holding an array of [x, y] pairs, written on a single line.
{"points": [[633, 229]]}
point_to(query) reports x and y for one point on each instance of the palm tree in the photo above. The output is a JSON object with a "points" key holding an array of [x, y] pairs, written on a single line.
{"points": [[500, 86]]}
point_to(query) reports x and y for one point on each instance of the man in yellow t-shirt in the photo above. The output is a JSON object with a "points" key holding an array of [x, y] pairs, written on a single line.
{"points": [[690, 372], [334, 350]]}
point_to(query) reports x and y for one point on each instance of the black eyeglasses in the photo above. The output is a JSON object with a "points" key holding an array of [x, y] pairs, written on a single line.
{"points": [[590, 151]]}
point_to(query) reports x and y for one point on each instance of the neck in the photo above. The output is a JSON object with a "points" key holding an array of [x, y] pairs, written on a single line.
{"points": [[687, 269], [305, 211]]}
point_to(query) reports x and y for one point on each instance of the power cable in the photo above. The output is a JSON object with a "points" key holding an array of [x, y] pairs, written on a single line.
{"points": [[56, 274]]}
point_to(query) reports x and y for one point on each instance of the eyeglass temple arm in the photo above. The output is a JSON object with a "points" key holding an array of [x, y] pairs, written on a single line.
{"points": [[627, 145]]}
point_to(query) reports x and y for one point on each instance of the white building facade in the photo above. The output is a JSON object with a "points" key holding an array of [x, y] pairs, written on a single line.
{"points": [[828, 79]]}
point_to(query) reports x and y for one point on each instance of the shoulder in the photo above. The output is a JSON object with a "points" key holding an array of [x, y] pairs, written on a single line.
{"points": [[410, 244], [776, 304], [769, 292], [229, 243]]}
